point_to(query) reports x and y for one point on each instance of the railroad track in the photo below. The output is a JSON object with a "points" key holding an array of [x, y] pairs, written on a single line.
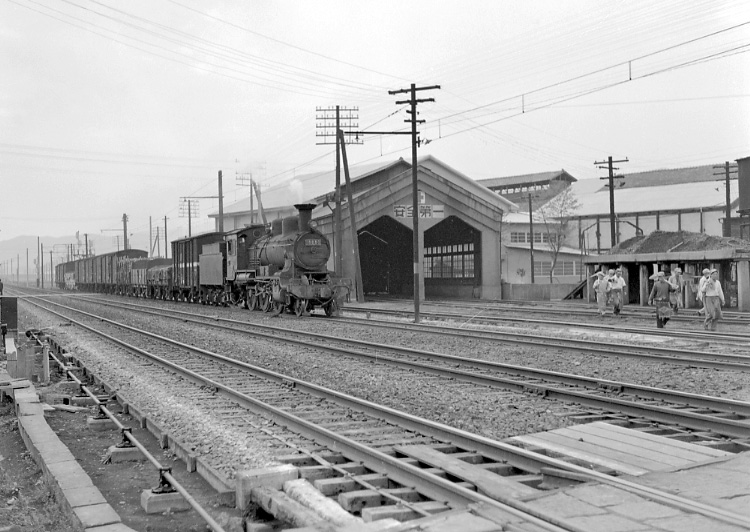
{"points": [[483, 317], [685, 315], [722, 417], [368, 450], [561, 308]]}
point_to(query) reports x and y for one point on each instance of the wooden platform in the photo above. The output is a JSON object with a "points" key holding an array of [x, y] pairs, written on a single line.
{"points": [[626, 451]]}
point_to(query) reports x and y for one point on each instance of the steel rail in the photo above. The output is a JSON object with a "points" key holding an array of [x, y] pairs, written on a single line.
{"points": [[164, 472], [713, 336], [703, 401], [498, 451], [402, 472], [734, 318], [704, 359]]}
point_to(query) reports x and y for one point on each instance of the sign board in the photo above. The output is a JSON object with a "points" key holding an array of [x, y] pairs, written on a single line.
{"points": [[425, 211]]}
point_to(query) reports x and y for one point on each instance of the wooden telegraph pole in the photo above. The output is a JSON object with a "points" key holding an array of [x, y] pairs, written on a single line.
{"points": [[611, 178], [412, 101]]}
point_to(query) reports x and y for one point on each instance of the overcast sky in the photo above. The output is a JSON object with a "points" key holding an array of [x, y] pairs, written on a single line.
{"points": [[125, 107]]}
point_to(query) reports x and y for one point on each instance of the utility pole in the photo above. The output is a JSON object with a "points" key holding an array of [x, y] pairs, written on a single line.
{"points": [[125, 232], [611, 178], [352, 224], [86, 236], [38, 254], [41, 266], [412, 101], [531, 240], [150, 239], [166, 248], [221, 204], [51, 271], [323, 117], [729, 169]]}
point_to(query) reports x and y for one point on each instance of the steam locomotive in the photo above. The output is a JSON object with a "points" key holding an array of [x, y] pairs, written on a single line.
{"points": [[275, 270]]}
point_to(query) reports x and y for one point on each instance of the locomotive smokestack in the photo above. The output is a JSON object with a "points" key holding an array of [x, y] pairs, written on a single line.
{"points": [[305, 215]]}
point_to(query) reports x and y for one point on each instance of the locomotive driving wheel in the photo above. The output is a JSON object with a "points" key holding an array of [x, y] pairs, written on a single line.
{"points": [[300, 306], [332, 308], [266, 302]]}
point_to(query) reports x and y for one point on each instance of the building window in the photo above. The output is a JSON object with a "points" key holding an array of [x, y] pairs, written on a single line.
{"points": [[517, 237], [449, 262]]}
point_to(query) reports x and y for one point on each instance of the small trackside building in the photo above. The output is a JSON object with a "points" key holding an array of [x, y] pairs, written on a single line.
{"points": [[642, 256]]}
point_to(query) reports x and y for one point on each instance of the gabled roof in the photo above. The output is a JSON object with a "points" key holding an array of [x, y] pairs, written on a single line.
{"points": [[593, 200], [312, 187], [436, 165], [526, 179]]}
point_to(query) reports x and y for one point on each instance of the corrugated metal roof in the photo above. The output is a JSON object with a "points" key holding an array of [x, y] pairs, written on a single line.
{"points": [[542, 177], [674, 197]]}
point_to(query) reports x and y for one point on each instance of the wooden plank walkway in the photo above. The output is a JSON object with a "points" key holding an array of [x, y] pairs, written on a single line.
{"points": [[624, 450]]}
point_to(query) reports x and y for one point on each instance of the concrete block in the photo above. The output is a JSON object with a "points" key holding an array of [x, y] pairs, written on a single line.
{"points": [[29, 409], [69, 475], [156, 503], [53, 398], [270, 477], [86, 496], [125, 454], [100, 424], [82, 400], [96, 515]]}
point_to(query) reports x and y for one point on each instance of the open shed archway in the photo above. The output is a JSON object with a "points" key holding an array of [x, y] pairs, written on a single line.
{"points": [[385, 251], [452, 259]]}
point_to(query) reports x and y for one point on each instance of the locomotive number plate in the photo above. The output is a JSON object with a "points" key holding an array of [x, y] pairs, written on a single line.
{"points": [[313, 242]]}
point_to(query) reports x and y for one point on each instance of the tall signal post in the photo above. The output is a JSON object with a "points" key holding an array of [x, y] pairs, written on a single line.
{"points": [[729, 169], [189, 204], [413, 101], [609, 162], [328, 121], [188, 208]]}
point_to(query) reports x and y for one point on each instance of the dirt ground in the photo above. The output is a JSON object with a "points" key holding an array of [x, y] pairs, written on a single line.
{"points": [[27, 502]]}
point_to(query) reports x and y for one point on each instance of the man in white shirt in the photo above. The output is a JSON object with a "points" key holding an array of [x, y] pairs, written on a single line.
{"points": [[675, 298], [701, 284], [713, 299], [616, 292]]}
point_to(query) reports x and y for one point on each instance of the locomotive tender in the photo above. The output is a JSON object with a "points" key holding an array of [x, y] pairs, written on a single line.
{"points": [[283, 268]]}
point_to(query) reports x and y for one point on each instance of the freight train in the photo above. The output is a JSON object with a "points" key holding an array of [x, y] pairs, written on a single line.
{"points": [[276, 269]]}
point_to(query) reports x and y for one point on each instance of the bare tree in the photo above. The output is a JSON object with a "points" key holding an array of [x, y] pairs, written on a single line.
{"points": [[556, 215]]}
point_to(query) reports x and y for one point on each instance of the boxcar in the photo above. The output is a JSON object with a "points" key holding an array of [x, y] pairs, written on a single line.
{"points": [[186, 260]]}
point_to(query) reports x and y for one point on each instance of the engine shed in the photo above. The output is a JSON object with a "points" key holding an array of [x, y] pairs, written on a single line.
{"points": [[459, 233], [642, 256]]}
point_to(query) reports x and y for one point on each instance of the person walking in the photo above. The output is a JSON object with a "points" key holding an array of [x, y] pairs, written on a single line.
{"points": [[701, 284], [602, 286], [660, 298], [675, 298], [713, 299], [617, 291]]}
